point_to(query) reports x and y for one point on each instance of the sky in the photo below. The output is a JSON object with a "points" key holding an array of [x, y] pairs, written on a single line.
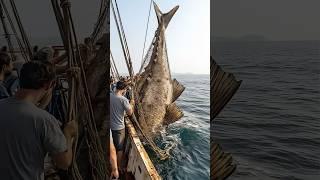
{"points": [[40, 24], [274, 19], [187, 36]]}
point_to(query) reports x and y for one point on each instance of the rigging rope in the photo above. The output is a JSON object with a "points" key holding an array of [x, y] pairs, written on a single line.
{"points": [[21, 29], [122, 38], [125, 40], [104, 6], [114, 66], [145, 37], [68, 35], [12, 26], [6, 33]]}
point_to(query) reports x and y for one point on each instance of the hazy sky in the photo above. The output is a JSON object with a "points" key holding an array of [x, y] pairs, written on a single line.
{"points": [[188, 34], [39, 21], [276, 19]]}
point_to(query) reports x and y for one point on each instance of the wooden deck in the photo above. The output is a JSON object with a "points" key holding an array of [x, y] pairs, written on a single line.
{"points": [[139, 164]]}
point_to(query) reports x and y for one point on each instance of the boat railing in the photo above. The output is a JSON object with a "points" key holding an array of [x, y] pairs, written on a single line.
{"points": [[139, 164]]}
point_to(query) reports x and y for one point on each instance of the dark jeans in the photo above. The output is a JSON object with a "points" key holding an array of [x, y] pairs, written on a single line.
{"points": [[118, 137]]}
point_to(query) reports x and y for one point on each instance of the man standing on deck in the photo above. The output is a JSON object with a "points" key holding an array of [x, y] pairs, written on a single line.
{"points": [[118, 106], [5, 69], [28, 133]]}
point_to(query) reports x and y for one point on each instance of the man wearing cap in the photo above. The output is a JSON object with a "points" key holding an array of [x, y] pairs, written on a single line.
{"points": [[118, 106]]}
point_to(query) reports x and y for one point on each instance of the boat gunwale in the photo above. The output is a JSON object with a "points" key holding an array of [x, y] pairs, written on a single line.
{"points": [[136, 143]]}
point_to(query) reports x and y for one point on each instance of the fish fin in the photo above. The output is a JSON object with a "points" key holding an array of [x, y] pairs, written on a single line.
{"points": [[164, 18], [173, 114], [177, 89]]}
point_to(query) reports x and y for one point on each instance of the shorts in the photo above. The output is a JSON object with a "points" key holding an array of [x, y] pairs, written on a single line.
{"points": [[118, 139]]}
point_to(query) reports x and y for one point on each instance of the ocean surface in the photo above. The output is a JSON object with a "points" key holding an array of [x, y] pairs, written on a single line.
{"points": [[190, 136], [272, 124]]}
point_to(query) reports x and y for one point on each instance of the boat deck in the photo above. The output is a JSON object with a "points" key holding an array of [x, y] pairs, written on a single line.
{"points": [[139, 164]]}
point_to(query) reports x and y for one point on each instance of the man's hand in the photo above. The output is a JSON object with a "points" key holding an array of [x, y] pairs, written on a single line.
{"points": [[132, 102], [64, 159], [71, 128], [115, 173]]}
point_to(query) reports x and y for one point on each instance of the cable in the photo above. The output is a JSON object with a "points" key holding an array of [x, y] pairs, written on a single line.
{"points": [[145, 37]]}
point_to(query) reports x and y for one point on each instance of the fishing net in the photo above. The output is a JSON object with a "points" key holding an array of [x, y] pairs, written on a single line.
{"points": [[150, 53], [148, 56]]}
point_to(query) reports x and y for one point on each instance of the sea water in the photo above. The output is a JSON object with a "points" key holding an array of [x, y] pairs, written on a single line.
{"points": [[190, 136], [272, 124]]}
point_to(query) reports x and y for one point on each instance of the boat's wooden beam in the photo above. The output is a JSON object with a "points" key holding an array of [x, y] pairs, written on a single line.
{"points": [[139, 163]]}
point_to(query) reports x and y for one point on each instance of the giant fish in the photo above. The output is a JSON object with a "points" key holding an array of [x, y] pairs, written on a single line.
{"points": [[155, 90]]}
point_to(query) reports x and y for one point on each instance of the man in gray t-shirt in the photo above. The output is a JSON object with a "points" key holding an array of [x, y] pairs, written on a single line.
{"points": [[119, 105], [28, 133]]}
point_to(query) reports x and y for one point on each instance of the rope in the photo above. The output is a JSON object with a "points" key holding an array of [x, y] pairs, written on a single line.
{"points": [[79, 89], [145, 37], [162, 154], [22, 48], [122, 38], [114, 66], [21, 29], [101, 20], [6, 33], [59, 19], [125, 40]]}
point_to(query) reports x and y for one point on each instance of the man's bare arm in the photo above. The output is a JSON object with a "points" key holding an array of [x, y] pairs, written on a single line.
{"points": [[64, 159], [130, 111]]}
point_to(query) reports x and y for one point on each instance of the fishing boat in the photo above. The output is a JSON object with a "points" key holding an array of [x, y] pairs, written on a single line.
{"points": [[223, 86], [83, 92], [137, 161]]}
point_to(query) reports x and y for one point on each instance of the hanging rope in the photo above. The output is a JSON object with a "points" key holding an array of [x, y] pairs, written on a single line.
{"points": [[113, 65], [79, 94], [101, 21], [122, 38], [146, 34], [6, 33], [12, 26], [125, 40], [21, 29]]}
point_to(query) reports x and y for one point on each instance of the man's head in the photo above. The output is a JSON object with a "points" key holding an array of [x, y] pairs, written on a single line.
{"points": [[35, 49], [36, 75], [44, 54], [121, 86], [6, 66]]}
